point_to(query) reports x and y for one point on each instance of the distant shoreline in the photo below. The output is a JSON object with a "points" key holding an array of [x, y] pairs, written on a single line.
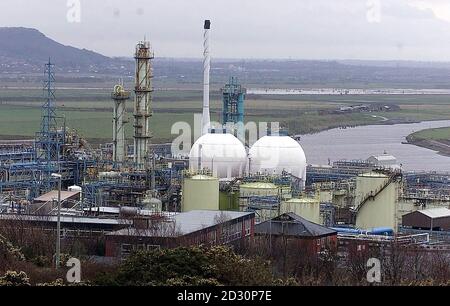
{"points": [[436, 146], [381, 122], [441, 146], [346, 91]]}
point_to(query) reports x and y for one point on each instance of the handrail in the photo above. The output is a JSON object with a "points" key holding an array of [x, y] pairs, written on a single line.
{"points": [[40, 207], [411, 239], [372, 195]]}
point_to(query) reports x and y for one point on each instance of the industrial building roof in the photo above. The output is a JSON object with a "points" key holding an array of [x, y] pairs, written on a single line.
{"points": [[197, 219], [65, 219], [439, 212], [384, 157], [291, 224], [53, 195], [384, 160], [116, 211], [184, 223]]}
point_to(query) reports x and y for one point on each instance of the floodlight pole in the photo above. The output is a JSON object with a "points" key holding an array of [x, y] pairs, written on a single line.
{"points": [[58, 224]]}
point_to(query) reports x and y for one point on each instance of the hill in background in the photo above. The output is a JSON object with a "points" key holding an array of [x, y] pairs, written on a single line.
{"points": [[24, 51]]}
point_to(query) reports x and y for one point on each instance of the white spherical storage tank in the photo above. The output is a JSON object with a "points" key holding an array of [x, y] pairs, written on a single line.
{"points": [[223, 154], [275, 154]]}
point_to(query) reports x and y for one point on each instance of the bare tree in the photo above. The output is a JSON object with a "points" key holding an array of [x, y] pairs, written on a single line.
{"points": [[394, 263]]}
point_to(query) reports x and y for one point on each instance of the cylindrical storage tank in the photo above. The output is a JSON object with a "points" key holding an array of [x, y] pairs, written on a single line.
{"points": [[200, 192], [229, 200], [376, 201], [275, 154], [308, 208], [128, 211], [258, 189], [250, 193], [223, 154]]}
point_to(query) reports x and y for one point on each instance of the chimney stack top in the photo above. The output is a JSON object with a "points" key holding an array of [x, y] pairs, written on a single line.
{"points": [[207, 24]]}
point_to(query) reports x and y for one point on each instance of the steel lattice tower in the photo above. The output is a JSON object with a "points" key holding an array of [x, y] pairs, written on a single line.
{"points": [[49, 140]]}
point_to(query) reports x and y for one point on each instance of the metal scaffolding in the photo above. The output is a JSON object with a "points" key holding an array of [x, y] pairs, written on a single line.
{"points": [[120, 96], [143, 98], [26, 167], [233, 95], [129, 188]]}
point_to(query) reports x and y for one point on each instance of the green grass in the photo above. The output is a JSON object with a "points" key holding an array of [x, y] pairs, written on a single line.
{"points": [[433, 134], [97, 125], [24, 122], [89, 111]]}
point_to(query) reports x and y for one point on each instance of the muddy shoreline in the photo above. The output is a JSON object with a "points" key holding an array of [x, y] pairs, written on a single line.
{"points": [[441, 146]]}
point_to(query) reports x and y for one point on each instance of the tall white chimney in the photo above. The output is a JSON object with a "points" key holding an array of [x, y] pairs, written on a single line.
{"points": [[206, 120]]}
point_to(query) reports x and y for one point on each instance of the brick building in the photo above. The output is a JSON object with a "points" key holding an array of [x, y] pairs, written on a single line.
{"points": [[195, 227]]}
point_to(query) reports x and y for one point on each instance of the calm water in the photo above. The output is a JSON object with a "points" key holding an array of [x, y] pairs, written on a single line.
{"points": [[362, 142]]}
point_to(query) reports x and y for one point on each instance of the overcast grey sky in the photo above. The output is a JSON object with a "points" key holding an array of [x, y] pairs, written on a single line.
{"points": [[304, 29]]}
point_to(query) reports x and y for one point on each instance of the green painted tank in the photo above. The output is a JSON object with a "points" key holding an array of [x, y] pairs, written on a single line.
{"points": [[229, 200]]}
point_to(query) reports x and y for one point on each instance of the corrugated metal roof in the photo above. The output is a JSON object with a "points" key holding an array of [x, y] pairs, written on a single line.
{"points": [[439, 212], [65, 219], [198, 219], [53, 195], [384, 157], [184, 223]]}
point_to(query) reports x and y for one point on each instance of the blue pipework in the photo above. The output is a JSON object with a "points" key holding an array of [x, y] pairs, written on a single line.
{"points": [[379, 231]]}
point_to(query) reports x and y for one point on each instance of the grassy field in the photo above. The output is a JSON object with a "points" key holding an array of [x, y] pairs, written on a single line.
{"points": [[20, 122], [435, 139], [89, 111], [433, 134]]}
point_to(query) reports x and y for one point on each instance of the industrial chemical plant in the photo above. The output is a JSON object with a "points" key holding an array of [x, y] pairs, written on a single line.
{"points": [[138, 194]]}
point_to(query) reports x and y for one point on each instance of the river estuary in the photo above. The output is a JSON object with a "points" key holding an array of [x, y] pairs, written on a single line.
{"points": [[364, 141]]}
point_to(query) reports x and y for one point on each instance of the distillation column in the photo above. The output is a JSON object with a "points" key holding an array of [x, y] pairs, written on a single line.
{"points": [[120, 96], [143, 97]]}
